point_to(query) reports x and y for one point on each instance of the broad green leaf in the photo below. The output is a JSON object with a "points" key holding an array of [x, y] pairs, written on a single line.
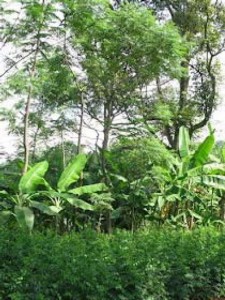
{"points": [[118, 177], [24, 216], [213, 181], [207, 169], [195, 215], [201, 155], [214, 159], [89, 189], [161, 202], [72, 172], [49, 210], [184, 142], [218, 222], [183, 167], [194, 172], [54, 209], [214, 168], [80, 203], [33, 178]]}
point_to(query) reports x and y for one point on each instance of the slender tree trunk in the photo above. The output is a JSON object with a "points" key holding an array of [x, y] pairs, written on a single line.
{"points": [[106, 133], [104, 169], [172, 132], [26, 143], [183, 100], [105, 143], [80, 131]]}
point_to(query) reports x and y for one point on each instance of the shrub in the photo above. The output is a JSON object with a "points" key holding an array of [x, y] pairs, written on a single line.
{"points": [[147, 265]]}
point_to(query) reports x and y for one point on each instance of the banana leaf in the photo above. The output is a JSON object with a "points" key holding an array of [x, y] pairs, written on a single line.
{"points": [[200, 157], [80, 203], [184, 142], [72, 172], [34, 178], [89, 189], [48, 210], [24, 216]]}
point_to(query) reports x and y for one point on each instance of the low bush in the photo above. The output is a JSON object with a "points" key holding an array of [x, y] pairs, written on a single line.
{"points": [[149, 265]]}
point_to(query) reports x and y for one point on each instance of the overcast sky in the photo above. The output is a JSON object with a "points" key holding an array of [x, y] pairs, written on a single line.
{"points": [[8, 142]]}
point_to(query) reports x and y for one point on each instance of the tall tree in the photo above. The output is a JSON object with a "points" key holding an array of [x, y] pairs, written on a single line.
{"points": [[120, 53], [119, 50], [29, 40], [194, 96], [44, 83]]}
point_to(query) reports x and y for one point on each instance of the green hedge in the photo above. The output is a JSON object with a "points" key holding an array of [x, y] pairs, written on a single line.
{"points": [[150, 265]]}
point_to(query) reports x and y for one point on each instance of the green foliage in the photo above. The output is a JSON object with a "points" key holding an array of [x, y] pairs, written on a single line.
{"points": [[77, 58], [34, 178], [33, 189], [72, 172], [54, 155], [201, 155], [24, 216], [57, 83], [10, 174], [133, 158], [89, 189], [184, 142], [123, 51], [124, 38], [189, 188], [153, 265]]}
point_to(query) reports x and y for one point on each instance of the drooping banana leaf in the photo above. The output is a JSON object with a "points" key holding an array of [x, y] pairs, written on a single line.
{"points": [[70, 199], [213, 181], [207, 169], [194, 172], [214, 168], [80, 203], [89, 189], [195, 215], [49, 210], [34, 178], [118, 177], [72, 172], [24, 216]]}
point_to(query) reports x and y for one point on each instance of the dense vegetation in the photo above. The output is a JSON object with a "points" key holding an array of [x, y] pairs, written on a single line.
{"points": [[149, 265], [142, 78]]}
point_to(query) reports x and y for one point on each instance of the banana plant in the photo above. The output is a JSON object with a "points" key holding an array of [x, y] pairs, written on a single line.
{"points": [[186, 184], [18, 205], [33, 186]]}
